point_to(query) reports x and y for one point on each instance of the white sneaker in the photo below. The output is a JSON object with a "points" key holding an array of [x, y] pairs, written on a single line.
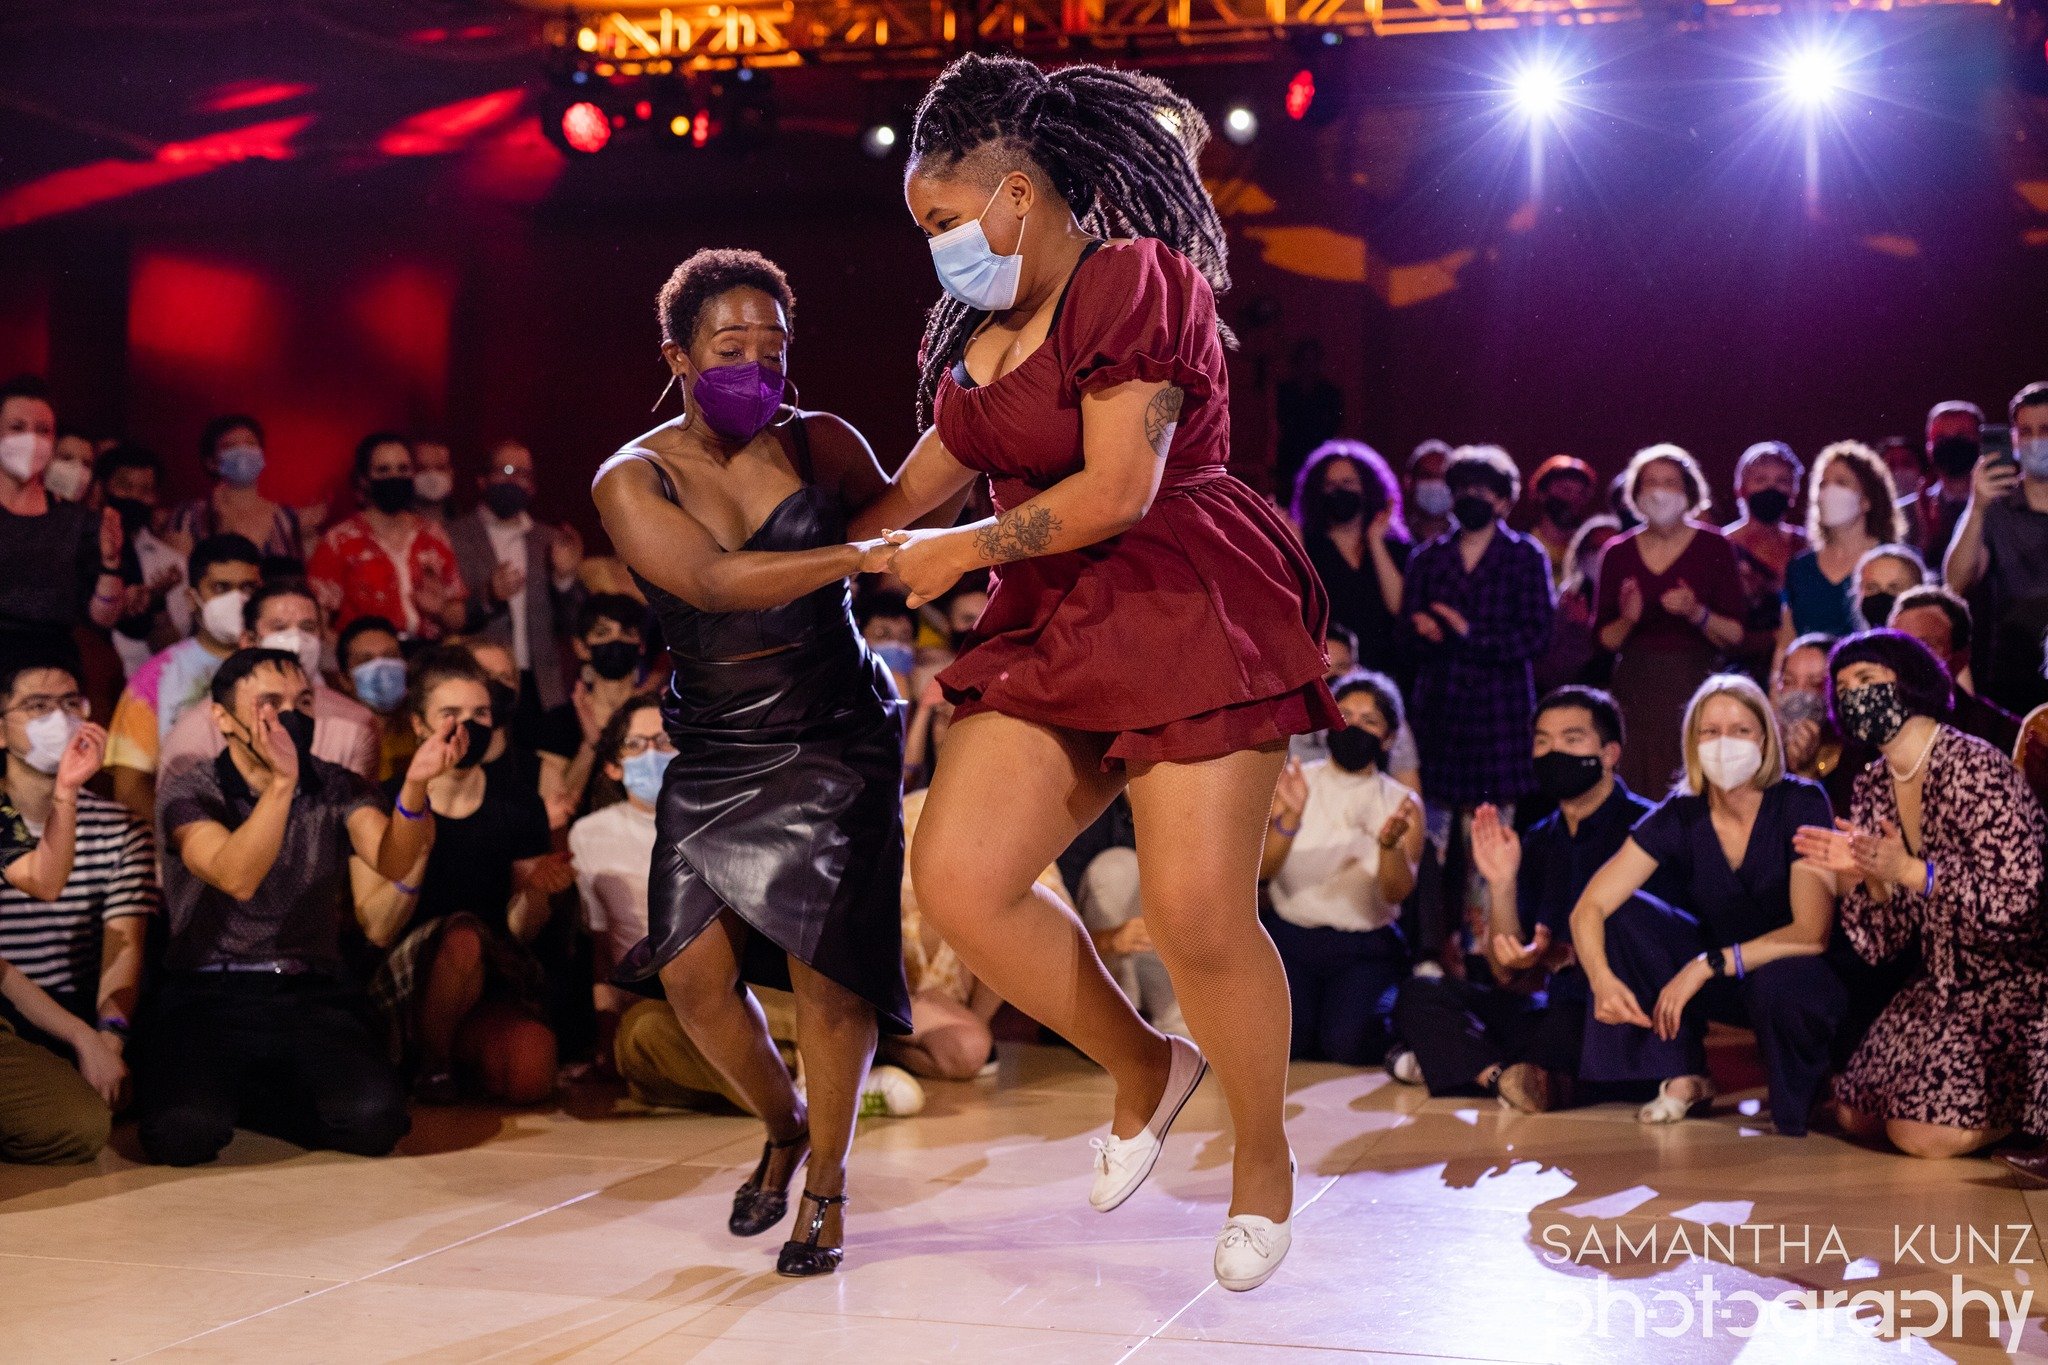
{"points": [[1121, 1164], [1403, 1066], [1250, 1248], [892, 1091]]}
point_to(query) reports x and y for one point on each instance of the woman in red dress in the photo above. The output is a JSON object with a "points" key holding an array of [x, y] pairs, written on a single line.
{"points": [[1152, 623]]}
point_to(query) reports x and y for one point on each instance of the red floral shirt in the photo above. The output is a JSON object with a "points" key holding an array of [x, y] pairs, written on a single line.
{"points": [[355, 568]]}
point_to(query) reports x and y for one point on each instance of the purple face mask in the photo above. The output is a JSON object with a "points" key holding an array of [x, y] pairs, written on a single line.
{"points": [[738, 400]]}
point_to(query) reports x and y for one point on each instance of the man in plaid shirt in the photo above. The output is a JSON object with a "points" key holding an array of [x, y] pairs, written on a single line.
{"points": [[1478, 601]]}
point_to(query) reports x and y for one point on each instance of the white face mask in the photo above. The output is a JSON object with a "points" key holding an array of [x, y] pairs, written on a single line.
{"points": [[1662, 508], [969, 268], [48, 737], [1729, 762], [221, 617], [433, 485], [67, 480], [24, 454], [1433, 496], [1839, 506], [296, 641]]}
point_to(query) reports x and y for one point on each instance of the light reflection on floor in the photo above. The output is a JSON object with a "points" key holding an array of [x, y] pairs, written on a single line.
{"points": [[1443, 1229]]}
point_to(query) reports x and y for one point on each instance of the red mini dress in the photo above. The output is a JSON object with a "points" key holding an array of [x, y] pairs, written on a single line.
{"points": [[1199, 631]]}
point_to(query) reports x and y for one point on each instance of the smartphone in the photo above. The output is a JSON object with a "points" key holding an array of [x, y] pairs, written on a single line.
{"points": [[1995, 440]]}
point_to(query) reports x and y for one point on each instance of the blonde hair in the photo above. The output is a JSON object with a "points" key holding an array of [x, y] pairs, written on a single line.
{"points": [[1688, 470], [1746, 691]]}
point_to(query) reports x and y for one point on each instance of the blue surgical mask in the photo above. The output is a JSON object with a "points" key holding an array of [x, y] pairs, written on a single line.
{"points": [[2032, 453], [971, 271], [644, 771], [901, 658], [379, 684], [241, 465]]}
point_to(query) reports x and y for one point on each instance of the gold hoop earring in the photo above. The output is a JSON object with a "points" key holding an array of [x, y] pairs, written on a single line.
{"points": [[794, 411], [659, 398]]}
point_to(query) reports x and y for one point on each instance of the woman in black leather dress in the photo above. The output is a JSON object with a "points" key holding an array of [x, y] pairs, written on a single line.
{"points": [[779, 850]]}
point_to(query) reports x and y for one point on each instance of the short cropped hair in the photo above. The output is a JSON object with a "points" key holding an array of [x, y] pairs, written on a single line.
{"points": [[1600, 705], [708, 274], [1923, 684], [1487, 467]]}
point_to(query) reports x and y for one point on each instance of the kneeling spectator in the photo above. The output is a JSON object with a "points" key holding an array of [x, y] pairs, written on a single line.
{"points": [[462, 994], [1519, 1038], [1340, 858], [1742, 940], [1943, 845], [257, 1015]]}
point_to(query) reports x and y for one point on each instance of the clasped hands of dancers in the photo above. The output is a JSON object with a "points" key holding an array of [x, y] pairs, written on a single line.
{"points": [[1153, 628]]}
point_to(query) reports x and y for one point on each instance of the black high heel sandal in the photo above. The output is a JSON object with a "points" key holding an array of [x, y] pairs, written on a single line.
{"points": [[807, 1257], [754, 1209]]}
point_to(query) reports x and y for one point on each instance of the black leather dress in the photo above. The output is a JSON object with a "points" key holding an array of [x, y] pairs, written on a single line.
{"points": [[785, 799]]}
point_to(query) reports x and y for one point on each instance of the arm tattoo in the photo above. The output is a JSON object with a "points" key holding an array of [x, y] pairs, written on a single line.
{"points": [[1017, 534], [1161, 415]]}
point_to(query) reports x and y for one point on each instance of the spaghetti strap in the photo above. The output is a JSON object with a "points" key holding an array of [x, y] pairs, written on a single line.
{"points": [[668, 487]]}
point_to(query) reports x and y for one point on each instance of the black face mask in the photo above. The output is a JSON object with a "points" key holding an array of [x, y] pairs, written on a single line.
{"points": [[1561, 776], [393, 495], [1877, 608], [299, 726], [479, 741], [134, 514], [1564, 513], [504, 703], [1354, 750], [615, 659], [1768, 505], [506, 500], [1341, 505], [1873, 714], [1472, 511], [1954, 456]]}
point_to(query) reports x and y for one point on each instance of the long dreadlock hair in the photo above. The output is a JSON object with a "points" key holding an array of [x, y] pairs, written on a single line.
{"points": [[1119, 147]]}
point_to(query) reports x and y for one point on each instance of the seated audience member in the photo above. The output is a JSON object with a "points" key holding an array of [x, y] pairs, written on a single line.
{"points": [[1799, 699], [1850, 512], [1101, 869], [613, 848], [256, 1014], [231, 448], [373, 671], [1741, 942], [1348, 507], [83, 945], [156, 612], [1943, 848], [1670, 605], [283, 614], [1341, 855], [1999, 557], [1940, 620], [1404, 762], [224, 572], [890, 628], [1882, 576], [387, 560], [502, 675], [1519, 1038], [1765, 541], [610, 649], [461, 992], [52, 851], [1572, 654]]}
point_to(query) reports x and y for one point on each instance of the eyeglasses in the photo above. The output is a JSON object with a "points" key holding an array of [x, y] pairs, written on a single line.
{"points": [[635, 745], [35, 708]]}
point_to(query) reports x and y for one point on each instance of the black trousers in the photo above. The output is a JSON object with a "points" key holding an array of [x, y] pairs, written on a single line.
{"points": [[1795, 1004], [1458, 1029], [290, 1055], [1341, 984]]}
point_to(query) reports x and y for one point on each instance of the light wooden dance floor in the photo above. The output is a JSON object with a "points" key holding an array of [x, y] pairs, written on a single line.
{"points": [[1426, 1229]]}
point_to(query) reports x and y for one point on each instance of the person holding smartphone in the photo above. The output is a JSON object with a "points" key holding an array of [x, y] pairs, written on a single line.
{"points": [[2002, 545]]}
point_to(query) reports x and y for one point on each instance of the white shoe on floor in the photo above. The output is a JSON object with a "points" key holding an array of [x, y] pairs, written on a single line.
{"points": [[891, 1091], [1121, 1164], [1250, 1248], [1403, 1066]]}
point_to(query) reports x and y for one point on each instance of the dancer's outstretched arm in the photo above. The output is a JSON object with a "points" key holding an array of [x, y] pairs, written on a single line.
{"points": [[674, 551], [927, 491], [1125, 434]]}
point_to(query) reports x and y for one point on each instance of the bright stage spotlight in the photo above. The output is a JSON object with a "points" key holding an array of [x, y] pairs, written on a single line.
{"points": [[1538, 90], [585, 127], [1240, 125], [1812, 75], [878, 141]]}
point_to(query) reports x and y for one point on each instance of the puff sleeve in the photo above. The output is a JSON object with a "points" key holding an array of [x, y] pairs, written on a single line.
{"points": [[1139, 311]]}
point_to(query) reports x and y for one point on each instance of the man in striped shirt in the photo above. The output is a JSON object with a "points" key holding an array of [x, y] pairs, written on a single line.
{"points": [[82, 949]]}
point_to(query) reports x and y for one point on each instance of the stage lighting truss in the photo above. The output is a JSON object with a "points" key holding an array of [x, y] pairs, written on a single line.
{"points": [[656, 39]]}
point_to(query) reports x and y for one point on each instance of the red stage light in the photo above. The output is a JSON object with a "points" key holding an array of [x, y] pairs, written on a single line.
{"points": [[585, 127], [449, 128], [1301, 93], [644, 110], [700, 128], [235, 95]]}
